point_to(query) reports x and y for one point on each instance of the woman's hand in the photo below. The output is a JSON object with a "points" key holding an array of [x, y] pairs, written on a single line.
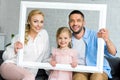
{"points": [[18, 45]]}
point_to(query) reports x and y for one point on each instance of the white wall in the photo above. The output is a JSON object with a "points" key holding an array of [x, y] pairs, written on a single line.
{"points": [[9, 17], [113, 22]]}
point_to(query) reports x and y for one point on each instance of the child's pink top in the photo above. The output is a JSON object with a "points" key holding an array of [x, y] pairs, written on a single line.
{"points": [[63, 57]]}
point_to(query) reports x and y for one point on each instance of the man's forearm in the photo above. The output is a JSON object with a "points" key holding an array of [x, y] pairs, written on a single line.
{"points": [[110, 46]]}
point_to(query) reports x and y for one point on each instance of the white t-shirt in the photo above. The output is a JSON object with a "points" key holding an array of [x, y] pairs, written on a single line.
{"points": [[79, 46]]}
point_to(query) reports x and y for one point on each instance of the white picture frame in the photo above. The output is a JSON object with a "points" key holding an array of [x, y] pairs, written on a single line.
{"points": [[102, 8]]}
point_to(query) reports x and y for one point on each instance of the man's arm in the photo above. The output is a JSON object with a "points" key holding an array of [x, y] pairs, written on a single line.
{"points": [[103, 33], [110, 46]]}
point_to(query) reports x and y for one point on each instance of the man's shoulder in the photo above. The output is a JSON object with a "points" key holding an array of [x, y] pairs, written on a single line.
{"points": [[90, 32]]}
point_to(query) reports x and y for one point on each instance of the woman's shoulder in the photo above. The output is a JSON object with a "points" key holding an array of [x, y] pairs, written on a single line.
{"points": [[43, 32]]}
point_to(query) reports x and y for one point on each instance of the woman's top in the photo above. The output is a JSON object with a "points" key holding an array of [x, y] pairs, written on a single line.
{"points": [[36, 50]]}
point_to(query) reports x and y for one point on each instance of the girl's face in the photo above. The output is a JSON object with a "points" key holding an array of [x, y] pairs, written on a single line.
{"points": [[36, 23], [63, 40]]}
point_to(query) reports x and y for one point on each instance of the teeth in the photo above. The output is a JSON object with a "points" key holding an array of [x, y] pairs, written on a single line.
{"points": [[75, 27]]}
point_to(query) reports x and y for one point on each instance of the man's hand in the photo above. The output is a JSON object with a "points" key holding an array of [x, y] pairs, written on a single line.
{"points": [[103, 33]]}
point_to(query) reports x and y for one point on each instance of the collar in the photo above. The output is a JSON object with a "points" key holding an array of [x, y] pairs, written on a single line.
{"points": [[86, 33]]}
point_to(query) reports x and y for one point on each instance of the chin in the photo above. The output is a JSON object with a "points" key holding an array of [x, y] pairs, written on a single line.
{"points": [[37, 31], [76, 31]]}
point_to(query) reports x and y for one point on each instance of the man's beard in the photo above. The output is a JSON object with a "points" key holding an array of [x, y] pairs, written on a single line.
{"points": [[77, 31]]}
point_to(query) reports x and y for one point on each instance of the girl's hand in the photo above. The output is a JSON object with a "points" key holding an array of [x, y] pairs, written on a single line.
{"points": [[18, 45], [53, 63], [73, 64]]}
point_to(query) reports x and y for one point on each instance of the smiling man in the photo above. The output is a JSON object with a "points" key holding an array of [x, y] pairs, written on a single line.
{"points": [[85, 42]]}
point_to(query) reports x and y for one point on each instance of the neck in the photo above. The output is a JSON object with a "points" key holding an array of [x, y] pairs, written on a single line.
{"points": [[33, 34], [64, 48]]}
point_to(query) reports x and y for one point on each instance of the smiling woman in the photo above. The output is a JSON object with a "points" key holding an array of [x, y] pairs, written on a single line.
{"points": [[34, 35], [34, 24]]}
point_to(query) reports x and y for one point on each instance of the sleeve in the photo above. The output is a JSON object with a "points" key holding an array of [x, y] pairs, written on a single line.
{"points": [[9, 52], [53, 54]]}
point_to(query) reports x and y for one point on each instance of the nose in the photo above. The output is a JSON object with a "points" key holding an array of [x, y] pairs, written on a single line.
{"points": [[39, 24], [75, 22]]}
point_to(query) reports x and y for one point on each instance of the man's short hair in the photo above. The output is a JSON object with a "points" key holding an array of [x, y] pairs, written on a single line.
{"points": [[76, 12]]}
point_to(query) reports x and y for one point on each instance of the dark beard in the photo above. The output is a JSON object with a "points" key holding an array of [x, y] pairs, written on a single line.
{"points": [[77, 31]]}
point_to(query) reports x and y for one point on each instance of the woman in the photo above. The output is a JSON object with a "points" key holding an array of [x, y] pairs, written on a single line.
{"points": [[36, 48]]}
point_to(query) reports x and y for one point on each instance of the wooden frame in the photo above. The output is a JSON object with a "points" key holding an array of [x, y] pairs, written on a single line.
{"points": [[102, 8]]}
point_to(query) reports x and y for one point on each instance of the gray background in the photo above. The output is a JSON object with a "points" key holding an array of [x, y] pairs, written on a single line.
{"points": [[9, 18], [55, 18]]}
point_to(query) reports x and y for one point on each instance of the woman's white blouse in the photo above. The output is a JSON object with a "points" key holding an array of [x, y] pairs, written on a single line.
{"points": [[35, 50]]}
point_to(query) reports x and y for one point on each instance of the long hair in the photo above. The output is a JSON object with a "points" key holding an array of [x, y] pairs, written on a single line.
{"points": [[27, 26]]}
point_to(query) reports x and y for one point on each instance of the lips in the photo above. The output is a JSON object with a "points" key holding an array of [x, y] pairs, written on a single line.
{"points": [[75, 28], [37, 28], [62, 43]]}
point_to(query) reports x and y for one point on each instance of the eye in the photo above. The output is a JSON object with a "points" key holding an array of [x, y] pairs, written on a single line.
{"points": [[35, 21], [59, 38], [79, 20], [65, 38], [71, 20], [42, 21]]}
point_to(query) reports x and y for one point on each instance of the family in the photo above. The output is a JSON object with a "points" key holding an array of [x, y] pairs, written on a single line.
{"points": [[76, 45]]}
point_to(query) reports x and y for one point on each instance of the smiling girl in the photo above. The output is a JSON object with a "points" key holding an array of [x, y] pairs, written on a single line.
{"points": [[63, 54]]}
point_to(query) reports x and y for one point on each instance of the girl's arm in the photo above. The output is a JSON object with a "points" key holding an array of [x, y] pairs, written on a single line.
{"points": [[52, 61], [74, 59]]}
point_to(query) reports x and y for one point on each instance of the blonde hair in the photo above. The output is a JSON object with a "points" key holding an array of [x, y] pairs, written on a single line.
{"points": [[27, 26], [62, 30]]}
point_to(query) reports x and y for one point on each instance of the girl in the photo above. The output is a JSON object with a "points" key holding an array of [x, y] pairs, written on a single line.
{"points": [[63, 54], [36, 48]]}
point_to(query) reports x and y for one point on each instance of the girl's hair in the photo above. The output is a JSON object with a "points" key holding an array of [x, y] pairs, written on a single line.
{"points": [[27, 26], [62, 30]]}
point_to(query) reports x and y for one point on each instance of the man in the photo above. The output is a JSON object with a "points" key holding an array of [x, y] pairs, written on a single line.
{"points": [[87, 40]]}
